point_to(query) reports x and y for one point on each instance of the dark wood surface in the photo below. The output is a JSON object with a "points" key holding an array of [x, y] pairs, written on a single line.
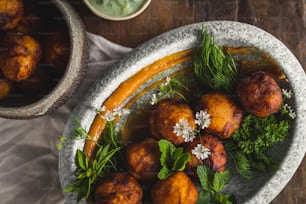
{"points": [[285, 19]]}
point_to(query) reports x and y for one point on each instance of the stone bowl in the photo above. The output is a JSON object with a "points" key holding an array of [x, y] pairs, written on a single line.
{"points": [[262, 189], [69, 80]]}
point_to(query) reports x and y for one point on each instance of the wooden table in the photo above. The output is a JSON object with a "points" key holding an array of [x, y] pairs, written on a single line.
{"points": [[284, 19]]}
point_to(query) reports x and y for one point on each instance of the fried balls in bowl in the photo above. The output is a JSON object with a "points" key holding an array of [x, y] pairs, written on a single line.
{"points": [[176, 189], [165, 116], [5, 88], [20, 56], [11, 12], [225, 114], [143, 160], [260, 94], [118, 188], [216, 161]]}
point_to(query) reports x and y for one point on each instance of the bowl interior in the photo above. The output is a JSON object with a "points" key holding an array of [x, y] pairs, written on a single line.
{"points": [[46, 77]]}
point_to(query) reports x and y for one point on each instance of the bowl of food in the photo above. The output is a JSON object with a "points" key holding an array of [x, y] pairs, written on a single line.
{"points": [[208, 112], [42, 56], [117, 10]]}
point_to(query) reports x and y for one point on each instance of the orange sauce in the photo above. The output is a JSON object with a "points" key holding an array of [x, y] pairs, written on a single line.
{"points": [[126, 89]]}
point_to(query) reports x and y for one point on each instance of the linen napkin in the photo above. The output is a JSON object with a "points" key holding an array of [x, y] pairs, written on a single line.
{"points": [[28, 151]]}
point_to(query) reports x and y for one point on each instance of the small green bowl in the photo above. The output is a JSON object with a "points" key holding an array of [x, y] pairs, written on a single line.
{"points": [[117, 18]]}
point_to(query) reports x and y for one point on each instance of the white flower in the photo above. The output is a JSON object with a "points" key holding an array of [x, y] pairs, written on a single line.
{"points": [[291, 112], [202, 119], [287, 93], [108, 116], [111, 115], [182, 129], [154, 99], [102, 109], [166, 83], [201, 152]]}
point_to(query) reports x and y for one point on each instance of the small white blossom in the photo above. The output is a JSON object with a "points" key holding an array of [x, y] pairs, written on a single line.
{"points": [[102, 109], [291, 112], [183, 129], [202, 119], [201, 152], [154, 99], [166, 83], [108, 116], [111, 115], [287, 93]]}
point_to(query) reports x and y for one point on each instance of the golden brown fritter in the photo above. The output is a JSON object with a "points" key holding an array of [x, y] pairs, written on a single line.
{"points": [[11, 12], [118, 188], [216, 161], [225, 115], [143, 160], [5, 88], [20, 56], [260, 94], [165, 116], [57, 49], [176, 189]]}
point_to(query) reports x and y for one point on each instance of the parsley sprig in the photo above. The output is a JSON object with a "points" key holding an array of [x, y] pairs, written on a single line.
{"points": [[172, 159], [212, 185], [250, 142], [213, 67]]}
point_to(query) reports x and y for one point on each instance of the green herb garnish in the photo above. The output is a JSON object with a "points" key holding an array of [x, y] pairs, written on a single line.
{"points": [[250, 142], [215, 69], [212, 185], [172, 159], [171, 88], [105, 161], [78, 134]]}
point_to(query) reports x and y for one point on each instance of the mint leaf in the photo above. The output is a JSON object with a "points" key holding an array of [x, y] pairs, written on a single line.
{"points": [[164, 173], [172, 159], [166, 148], [212, 184], [220, 180], [203, 174], [204, 197], [181, 159]]}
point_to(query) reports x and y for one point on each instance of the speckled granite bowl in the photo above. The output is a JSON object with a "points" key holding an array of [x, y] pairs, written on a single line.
{"points": [[260, 190], [73, 73]]}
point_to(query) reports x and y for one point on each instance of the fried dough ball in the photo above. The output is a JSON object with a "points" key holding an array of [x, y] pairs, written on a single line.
{"points": [[260, 94], [5, 88], [143, 159], [225, 115], [176, 189], [216, 161], [11, 12], [165, 116], [118, 188], [20, 56], [57, 49]]}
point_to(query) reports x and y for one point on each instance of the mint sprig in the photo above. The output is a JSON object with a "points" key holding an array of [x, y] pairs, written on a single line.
{"points": [[172, 159], [212, 185]]}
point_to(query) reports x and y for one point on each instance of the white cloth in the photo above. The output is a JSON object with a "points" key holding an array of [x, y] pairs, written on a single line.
{"points": [[28, 152]]}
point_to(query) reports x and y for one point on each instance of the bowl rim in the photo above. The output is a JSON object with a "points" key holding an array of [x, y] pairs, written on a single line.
{"points": [[70, 79], [164, 44], [114, 18]]}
